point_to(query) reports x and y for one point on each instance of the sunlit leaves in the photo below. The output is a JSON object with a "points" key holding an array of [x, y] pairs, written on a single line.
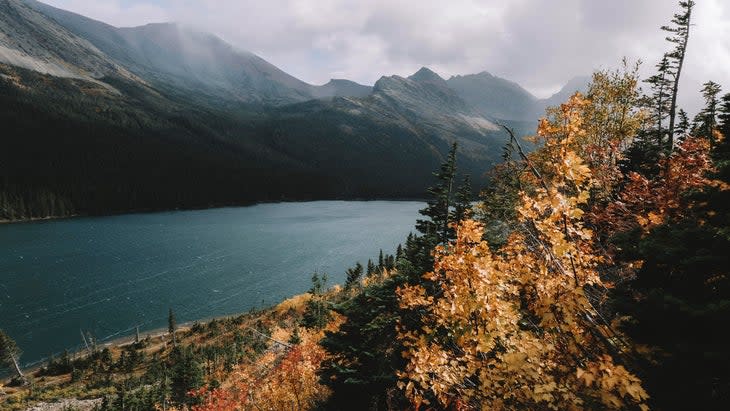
{"points": [[509, 329]]}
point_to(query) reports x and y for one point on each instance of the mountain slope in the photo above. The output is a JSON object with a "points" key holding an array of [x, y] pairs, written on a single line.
{"points": [[494, 96], [168, 54], [172, 118], [341, 88], [28, 39], [578, 83]]}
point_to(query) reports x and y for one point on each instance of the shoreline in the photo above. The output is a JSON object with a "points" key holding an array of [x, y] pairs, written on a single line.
{"points": [[214, 207], [125, 340]]}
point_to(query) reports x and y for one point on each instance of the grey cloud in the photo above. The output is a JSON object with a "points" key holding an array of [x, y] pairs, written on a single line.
{"points": [[538, 43]]}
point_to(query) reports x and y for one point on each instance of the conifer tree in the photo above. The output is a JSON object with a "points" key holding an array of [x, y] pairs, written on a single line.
{"points": [[659, 100], [724, 115], [317, 312], [679, 36], [371, 268], [707, 118], [354, 275], [683, 127], [462, 203], [436, 229]]}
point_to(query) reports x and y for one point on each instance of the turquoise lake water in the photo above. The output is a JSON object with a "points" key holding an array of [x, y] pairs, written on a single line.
{"points": [[109, 274]]}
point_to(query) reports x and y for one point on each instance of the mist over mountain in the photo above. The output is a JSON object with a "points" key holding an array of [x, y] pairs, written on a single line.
{"points": [[30, 40], [578, 83], [229, 127]]}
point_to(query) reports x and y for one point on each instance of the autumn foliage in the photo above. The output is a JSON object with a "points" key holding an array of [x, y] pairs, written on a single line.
{"points": [[517, 328], [275, 382]]}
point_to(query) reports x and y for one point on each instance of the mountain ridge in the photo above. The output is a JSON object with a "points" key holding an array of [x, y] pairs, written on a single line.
{"points": [[188, 121]]}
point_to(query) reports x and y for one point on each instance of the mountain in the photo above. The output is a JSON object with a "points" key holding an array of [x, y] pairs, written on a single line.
{"points": [[494, 96], [341, 88], [395, 137], [98, 119], [183, 59], [578, 83], [29, 39]]}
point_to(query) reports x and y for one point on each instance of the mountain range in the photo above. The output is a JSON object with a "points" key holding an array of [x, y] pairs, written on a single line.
{"points": [[101, 119]]}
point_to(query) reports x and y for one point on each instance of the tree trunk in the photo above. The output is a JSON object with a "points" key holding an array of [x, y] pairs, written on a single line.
{"points": [[675, 90], [18, 371]]}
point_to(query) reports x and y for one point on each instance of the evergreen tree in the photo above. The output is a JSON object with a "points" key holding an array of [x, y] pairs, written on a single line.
{"points": [[186, 374], [658, 102], [435, 228], [317, 312], [354, 275], [462, 203], [707, 118], [679, 36], [724, 115], [679, 302], [381, 262], [371, 268], [9, 355], [683, 127]]}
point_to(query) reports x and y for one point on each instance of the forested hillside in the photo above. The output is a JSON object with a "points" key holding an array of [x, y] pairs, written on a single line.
{"points": [[99, 119]]}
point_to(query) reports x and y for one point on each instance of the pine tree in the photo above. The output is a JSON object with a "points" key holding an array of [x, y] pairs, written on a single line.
{"points": [[354, 275], [724, 115], [436, 228], [678, 35], [707, 118], [9, 355], [381, 262], [371, 268], [317, 312], [187, 374], [462, 202], [658, 102], [683, 127]]}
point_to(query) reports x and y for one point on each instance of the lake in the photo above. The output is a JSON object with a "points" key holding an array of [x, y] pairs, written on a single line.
{"points": [[110, 274]]}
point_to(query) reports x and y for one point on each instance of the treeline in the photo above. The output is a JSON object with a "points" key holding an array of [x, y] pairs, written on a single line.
{"points": [[74, 147]]}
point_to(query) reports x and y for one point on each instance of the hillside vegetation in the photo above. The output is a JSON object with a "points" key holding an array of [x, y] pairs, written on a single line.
{"points": [[592, 274]]}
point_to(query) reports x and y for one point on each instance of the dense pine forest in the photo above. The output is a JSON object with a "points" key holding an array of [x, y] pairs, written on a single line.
{"points": [[593, 273]]}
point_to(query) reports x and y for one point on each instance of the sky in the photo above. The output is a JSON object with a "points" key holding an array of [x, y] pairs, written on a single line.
{"points": [[540, 44]]}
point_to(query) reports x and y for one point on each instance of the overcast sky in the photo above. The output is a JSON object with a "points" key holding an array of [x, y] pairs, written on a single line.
{"points": [[538, 43]]}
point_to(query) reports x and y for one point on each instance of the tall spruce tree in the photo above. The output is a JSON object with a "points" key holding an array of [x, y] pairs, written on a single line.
{"points": [[659, 100], [462, 201], [707, 118], [354, 275], [435, 228], [683, 127], [679, 36]]}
